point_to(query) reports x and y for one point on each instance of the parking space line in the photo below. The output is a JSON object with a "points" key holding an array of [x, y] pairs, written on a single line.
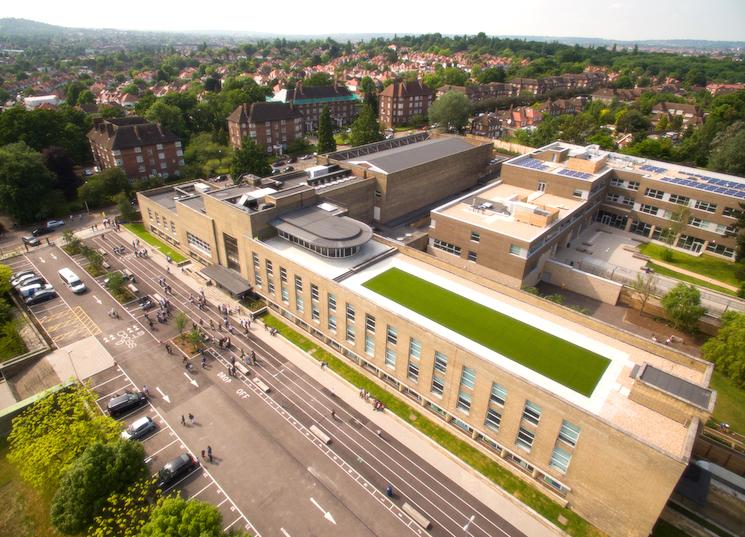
{"points": [[222, 502], [106, 381], [129, 382], [208, 485], [161, 449], [226, 528]]}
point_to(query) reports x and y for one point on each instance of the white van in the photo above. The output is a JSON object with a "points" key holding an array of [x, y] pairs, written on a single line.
{"points": [[30, 290], [71, 281]]}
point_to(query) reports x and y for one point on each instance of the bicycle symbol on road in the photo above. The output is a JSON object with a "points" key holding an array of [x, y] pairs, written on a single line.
{"points": [[125, 339]]}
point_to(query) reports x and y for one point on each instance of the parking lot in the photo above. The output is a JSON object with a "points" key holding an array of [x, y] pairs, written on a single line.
{"points": [[164, 444]]}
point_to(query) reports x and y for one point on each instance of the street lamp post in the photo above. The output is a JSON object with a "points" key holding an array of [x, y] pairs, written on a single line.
{"points": [[72, 363]]}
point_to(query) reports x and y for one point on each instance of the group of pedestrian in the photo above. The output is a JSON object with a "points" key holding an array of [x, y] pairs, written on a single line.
{"points": [[668, 341], [119, 250], [192, 419], [198, 301], [364, 394], [246, 325], [167, 346], [141, 252], [208, 454], [111, 223], [165, 286], [224, 343]]}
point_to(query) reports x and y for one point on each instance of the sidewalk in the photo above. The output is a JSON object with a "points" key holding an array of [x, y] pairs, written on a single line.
{"points": [[459, 472]]}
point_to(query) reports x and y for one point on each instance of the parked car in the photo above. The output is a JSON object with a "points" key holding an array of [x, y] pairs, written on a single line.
{"points": [[288, 169], [175, 469], [32, 289], [31, 241], [41, 231], [222, 177], [119, 404], [31, 281], [306, 157], [20, 273], [139, 429], [54, 224], [41, 296], [145, 303], [20, 277]]}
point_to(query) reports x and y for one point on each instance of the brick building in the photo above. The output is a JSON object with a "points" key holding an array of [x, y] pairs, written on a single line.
{"points": [[309, 101], [271, 125], [401, 101], [140, 148]]}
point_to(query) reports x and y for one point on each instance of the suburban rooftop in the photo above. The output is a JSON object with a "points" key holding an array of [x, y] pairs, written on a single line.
{"points": [[409, 156]]}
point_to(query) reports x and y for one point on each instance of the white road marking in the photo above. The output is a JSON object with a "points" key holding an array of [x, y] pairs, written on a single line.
{"points": [[97, 299], [326, 514], [42, 260], [194, 382], [164, 396], [53, 256], [284, 532]]}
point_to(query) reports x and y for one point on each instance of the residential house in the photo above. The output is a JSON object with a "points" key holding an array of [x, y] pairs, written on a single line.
{"points": [[271, 125], [402, 101]]}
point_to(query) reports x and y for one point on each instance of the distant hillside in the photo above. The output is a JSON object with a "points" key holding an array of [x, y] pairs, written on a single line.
{"points": [[27, 28]]}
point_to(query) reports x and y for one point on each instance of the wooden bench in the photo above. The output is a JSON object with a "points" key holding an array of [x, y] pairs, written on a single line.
{"points": [[103, 252], [132, 288], [416, 516], [105, 265], [262, 386], [323, 437], [242, 368]]}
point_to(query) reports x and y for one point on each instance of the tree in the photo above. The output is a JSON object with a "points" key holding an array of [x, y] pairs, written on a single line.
{"points": [[250, 158], [491, 74], [644, 286], [115, 282], [678, 222], [101, 470], [683, 306], [318, 79], [128, 213], [24, 182], [195, 338], [370, 91], [740, 253], [632, 121], [176, 517], [170, 117], [366, 129], [51, 434], [727, 348], [72, 243], [451, 110], [180, 319], [103, 186], [326, 142], [126, 512], [726, 154], [5, 275], [62, 166]]}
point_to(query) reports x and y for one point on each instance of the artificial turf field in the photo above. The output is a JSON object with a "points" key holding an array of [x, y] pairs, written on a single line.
{"points": [[573, 366]]}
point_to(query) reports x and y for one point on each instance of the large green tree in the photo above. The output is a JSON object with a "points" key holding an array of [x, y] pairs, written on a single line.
{"points": [[250, 158], [450, 111], [683, 306], [102, 469], [125, 512], [24, 182], [170, 117], [727, 348], [52, 433], [365, 129], [176, 517], [326, 142], [727, 153], [102, 187]]}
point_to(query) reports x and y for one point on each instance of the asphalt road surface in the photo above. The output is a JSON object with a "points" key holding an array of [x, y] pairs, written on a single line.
{"points": [[270, 474]]}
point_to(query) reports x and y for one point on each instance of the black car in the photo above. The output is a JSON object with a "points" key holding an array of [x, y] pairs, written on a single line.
{"points": [[175, 469], [119, 404], [145, 303], [41, 296], [41, 231]]}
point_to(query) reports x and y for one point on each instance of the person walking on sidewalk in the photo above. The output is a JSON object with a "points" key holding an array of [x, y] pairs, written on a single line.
{"points": [[209, 453], [191, 418], [183, 420], [204, 458]]}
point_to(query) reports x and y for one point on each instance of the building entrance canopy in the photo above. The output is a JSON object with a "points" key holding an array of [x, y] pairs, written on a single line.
{"points": [[228, 279]]}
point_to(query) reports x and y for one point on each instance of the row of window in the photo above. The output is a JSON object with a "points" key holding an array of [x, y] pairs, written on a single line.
{"points": [[678, 199], [198, 244]]}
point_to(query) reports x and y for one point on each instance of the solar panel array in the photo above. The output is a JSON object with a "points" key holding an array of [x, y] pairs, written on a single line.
{"points": [[578, 175], [532, 163], [716, 188], [719, 182], [654, 169]]}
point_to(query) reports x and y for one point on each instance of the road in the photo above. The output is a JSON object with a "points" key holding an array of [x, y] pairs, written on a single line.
{"points": [[284, 479]]}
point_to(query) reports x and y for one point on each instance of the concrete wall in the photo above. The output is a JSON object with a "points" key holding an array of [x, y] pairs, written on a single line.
{"points": [[580, 282], [711, 450]]}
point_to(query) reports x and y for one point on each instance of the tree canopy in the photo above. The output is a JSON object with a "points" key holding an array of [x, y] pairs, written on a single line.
{"points": [[102, 187], [176, 517], [683, 306], [51, 434], [727, 348], [25, 182], [102, 469], [326, 142], [124, 513], [451, 110], [365, 129], [250, 158]]}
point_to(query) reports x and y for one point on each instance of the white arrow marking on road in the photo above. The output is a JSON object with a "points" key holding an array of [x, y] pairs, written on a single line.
{"points": [[284, 532], [42, 260], [326, 514], [53, 256], [96, 299], [194, 382], [164, 396]]}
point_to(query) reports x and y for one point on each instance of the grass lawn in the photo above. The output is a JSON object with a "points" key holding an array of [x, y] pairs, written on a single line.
{"points": [[141, 232], [574, 367], [690, 279], [730, 406], [25, 513], [706, 265], [530, 496]]}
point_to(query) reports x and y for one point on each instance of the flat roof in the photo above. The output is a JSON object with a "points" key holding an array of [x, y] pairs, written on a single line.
{"points": [[498, 218], [411, 155], [321, 227]]}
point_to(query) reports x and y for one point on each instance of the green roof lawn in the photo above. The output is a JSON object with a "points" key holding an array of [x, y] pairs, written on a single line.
{"points": [[562, 361]]}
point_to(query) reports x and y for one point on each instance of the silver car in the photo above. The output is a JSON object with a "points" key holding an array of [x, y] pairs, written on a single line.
{"points": [[139, 428]]}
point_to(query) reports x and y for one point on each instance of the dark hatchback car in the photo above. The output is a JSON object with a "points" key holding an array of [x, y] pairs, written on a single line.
{"points": [[175, 469], [119, 404], [41, 296], [41, 231]]}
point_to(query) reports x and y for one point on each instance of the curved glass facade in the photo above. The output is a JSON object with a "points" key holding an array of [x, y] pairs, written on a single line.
{"points": [[320, 250]]}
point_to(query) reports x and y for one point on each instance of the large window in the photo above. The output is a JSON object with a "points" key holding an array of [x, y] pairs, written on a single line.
{"points": [[569, 433], [525, 439], [390, 357], [441, 362], [198, 244], [649, 209], [391, 335], [706, 206], [369, 344], [498, 394], [653, 193], [464, 402], [468, 378], [475, 236], [446, 247], [369, 323], [493, 419], [679, 199], [560, 460], [231, 252], [532, 413]]}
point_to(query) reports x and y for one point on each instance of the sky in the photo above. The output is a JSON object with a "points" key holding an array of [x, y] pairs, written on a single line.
{"points": [[720, 20]]}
